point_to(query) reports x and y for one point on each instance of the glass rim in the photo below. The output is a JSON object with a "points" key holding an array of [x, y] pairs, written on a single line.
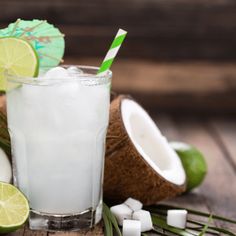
{"points": [[85, 77]]}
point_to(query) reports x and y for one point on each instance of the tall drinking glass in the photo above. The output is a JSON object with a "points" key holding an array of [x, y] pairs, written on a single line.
{"points": [[58, 128]]}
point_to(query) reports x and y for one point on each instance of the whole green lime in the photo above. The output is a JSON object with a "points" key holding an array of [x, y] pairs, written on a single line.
{"points": [[193, 162]]}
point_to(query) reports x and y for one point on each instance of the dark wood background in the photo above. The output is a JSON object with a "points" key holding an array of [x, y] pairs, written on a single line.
{"points": [[158, 29]]}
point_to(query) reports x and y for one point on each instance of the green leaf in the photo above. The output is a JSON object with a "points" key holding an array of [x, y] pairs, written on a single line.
{"points": [[209, 231], [160, 222], [222, 230], [108, 225], [194, 212], [206, 226], [199, 228], [219, 230], [111, 218], [5, 143]]}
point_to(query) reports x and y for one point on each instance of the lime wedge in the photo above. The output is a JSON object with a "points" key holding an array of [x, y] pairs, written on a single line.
{"points": [[18, 58], [14, 208]]}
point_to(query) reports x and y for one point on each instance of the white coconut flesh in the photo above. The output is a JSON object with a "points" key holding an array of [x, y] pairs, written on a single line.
{"points": [[5, 168], [150, 143]]}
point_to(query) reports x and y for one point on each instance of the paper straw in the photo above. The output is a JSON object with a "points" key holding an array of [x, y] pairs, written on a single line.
{"points": [[115, 46]]}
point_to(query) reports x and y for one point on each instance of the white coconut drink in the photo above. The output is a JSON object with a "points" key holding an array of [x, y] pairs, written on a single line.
{"points": [[139, 161]]}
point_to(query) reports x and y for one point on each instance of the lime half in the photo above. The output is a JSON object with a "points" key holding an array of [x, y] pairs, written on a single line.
{"points": [[193, 162], [14, 208], [17, 57]]}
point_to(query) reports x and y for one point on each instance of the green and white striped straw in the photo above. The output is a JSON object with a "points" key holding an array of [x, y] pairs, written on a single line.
{"points": [[115, 46]]}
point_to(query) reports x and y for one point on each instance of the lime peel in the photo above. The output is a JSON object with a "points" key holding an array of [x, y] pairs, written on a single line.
{"points": [[14, 208], [193, 162], [18, 57]]}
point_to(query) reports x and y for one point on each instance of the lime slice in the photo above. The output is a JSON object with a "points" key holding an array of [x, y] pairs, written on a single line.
{"points": [[14, 208], [18, 58]]}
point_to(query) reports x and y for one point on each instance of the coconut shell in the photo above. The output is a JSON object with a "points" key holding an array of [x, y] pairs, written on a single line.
{"points": [[4, 134], [127, 174], [3, 104]]}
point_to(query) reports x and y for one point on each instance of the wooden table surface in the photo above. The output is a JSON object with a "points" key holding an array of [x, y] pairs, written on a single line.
{"points": [[216, 137]]}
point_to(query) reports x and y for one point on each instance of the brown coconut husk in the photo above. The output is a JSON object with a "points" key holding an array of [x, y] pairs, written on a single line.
{"points": [[3, 104], [4, 134], [127, 174]]}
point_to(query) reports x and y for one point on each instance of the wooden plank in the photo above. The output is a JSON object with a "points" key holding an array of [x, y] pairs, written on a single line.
{"points": [[166, 14], [19, 232], [142, 42], [180, 87], [80, 42], [155, 77], [28, 232], [225, 134], [170, 29], [97, 231], [192, 77]]}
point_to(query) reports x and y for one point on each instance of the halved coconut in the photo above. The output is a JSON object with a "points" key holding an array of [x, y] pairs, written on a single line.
{"points": [[139, 161], [5, 168]]}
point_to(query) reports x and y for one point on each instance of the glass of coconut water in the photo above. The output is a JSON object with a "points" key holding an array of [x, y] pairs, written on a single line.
{"points": [[57, 123]]}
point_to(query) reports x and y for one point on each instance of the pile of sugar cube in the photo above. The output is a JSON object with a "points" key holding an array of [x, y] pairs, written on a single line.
{"points": [[135, 220]]}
